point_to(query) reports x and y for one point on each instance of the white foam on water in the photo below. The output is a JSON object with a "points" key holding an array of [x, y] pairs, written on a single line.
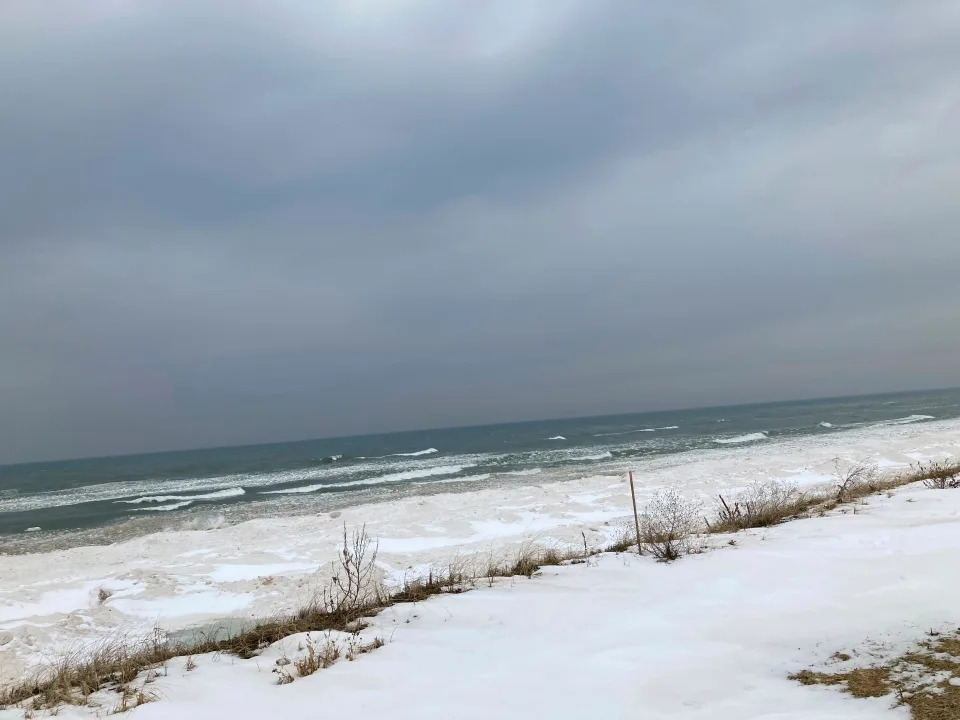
{"points": [[642, 430], [739, 439], [418, 453], [164, 508], [219, 495], [393, 477], [448, 481], [557, 437], [602, 456], [908, 420], [826, 425]]}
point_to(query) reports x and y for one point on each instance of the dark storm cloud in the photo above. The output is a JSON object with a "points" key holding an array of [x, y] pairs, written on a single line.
{"points": [[233, 222]]}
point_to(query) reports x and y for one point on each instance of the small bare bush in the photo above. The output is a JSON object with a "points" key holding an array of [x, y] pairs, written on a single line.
{"points": [[668, 524], [940, 475], [763, 504], [855, 480], [355, 581]]}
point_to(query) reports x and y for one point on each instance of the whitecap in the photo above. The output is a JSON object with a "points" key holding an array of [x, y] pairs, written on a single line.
{"points": [[219, 495], [752, 437], [393, 477], [164, 508], [468, 478], [642, 430], [908, 420], [557, 437], [826, 425], [601, 456], [418, 453]]}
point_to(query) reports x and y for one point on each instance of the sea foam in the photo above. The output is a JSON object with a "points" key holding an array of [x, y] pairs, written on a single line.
{"points": [[740, 439]]}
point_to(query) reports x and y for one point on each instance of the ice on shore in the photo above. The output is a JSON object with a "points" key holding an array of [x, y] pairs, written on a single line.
{"points": [[732, 621]]}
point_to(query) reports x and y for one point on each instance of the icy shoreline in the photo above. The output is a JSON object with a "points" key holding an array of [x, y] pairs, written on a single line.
{"points": [[51, 601]]}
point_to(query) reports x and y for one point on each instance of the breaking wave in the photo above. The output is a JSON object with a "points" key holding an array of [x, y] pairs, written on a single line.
{"points": [[740, 439], [393, 477], [418, 453], [907, 420], [219, 495], [643, 430], [602, 456], [164, 508]]}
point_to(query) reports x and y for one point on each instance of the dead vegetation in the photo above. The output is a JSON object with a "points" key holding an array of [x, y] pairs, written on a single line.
{"points": [[761, 505], [940, 475], [317, 658], [668, 525], [768, 503], [926, 680]]}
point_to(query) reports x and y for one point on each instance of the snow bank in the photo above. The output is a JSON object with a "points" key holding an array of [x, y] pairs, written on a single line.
{"points": [[712, 637], [261, 567]]}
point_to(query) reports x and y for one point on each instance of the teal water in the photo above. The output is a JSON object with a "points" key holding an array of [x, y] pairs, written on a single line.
{"points": [[198, 488]]}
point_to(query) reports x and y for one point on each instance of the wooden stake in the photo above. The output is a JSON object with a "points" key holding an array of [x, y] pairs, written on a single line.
{"points": [[636, 518]]}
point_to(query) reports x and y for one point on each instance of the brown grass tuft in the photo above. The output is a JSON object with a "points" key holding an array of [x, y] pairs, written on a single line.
{"points": [[317, 658], [761, 505], [925, 680]]}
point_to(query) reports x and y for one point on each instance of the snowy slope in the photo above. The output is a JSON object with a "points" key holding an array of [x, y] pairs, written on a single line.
{"points": [[713, 636]]}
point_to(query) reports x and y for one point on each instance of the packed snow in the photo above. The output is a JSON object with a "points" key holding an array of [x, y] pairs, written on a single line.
{"points": [[711, 636]]}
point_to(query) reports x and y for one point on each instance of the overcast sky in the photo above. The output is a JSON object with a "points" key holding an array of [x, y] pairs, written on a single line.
{"points": [[232, 222]]}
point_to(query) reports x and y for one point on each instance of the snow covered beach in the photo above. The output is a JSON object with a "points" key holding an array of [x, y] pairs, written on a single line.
{"points": [[714, 634]]}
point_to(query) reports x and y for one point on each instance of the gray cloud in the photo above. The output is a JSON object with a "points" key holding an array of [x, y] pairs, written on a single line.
{"points": [[244, 222]]}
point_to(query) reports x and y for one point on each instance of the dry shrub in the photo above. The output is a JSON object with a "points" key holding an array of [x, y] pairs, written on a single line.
{"points": [[763, 504], [856, 480], [668, 524], [939, 475], [355, 582]]}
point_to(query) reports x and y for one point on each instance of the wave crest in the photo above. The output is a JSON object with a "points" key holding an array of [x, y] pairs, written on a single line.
{"points": [[740, 439], [418, 453], [380, 479], [218, 495]]}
